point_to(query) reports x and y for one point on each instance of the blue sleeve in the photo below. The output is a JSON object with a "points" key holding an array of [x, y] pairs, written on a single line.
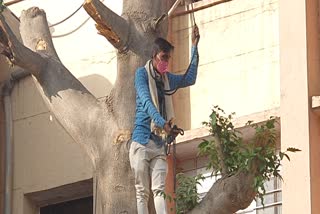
{"points": [[142, 89], [190, 79]]}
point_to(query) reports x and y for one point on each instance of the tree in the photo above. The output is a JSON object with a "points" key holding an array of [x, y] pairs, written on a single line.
{"points": [[103, 128]]}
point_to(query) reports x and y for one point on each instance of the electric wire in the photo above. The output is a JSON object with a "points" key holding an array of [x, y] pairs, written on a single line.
{"points": [[71, 32], [68, 17]]}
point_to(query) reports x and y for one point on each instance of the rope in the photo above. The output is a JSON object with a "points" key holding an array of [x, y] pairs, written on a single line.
{"points": [[170, 92], [192, 15]]}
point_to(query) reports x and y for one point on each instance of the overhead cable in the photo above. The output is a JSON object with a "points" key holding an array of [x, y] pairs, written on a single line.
{"points": [[68, 17], [71, 32]]}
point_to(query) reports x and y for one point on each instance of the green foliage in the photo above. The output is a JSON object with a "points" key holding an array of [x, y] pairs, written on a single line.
{"points": [[187, 196], [259, 156], [1, 6], [164, 195], [222, 128]]}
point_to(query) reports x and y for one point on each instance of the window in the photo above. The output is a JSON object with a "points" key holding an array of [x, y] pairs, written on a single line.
{"points": [[272, 200]]}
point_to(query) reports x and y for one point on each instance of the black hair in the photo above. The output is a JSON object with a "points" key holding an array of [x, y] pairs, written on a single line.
{"points": [[161, 44]]}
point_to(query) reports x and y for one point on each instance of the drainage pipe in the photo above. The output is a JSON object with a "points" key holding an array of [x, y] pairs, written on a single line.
{"points": [[8, 151], [8, 174]]}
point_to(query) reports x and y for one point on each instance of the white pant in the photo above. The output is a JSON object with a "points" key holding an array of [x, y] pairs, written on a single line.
{"points": [[149, 161]]}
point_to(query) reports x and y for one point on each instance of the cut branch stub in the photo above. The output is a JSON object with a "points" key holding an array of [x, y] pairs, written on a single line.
{"points": [[39, 39], [109, 24], [156, 22], [17, 53]]}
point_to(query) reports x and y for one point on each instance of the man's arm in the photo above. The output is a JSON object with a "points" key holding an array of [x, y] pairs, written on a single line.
{"points": [[182, 81], [143, 92]]}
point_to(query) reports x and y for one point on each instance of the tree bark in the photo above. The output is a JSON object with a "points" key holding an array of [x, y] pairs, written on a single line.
{"points": [[221, 156]]}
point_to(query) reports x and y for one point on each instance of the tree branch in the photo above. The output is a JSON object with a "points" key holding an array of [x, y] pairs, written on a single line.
{"points": [[221, 156], [228, 195], [77, 110], [109, 24], [39, 39], [17, 53]]}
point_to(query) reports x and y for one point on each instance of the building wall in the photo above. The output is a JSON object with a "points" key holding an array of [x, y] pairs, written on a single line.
{"points": [[239, 60], [300, 125], [45, 156]]}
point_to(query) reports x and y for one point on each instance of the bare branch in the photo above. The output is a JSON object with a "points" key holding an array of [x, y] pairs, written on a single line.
{"points": [[17, 53], [109, 24], [38, 39]]}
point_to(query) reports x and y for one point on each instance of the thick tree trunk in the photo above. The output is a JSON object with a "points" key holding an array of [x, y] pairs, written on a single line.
{"points": [[104, 128]]}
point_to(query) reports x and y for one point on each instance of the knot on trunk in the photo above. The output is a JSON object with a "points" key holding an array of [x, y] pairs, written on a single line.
{"points": [[41, 45], [122, 136]]}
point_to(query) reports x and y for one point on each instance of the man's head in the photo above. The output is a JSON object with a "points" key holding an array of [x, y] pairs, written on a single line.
{"points": [[161, 54]]}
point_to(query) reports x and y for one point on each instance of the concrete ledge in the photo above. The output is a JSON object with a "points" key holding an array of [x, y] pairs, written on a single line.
{"points": [[315, 104], [187, 145], [63, 193]]}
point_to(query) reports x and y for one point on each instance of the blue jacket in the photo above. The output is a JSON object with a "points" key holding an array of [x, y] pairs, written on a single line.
{"points": [[145, 109]]}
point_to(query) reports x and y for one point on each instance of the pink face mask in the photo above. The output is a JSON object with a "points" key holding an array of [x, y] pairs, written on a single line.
{"points": [[162, 67]]}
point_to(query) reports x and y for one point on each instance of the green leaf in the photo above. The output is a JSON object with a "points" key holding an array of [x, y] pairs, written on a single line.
{"points": [[249, 122], [291, 149], [270, 124], [287, 156], [1, 6], [281, 154], [213, 119]]}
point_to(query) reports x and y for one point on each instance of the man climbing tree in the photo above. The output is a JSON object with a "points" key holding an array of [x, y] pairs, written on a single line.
{"points": [[154, 110]]}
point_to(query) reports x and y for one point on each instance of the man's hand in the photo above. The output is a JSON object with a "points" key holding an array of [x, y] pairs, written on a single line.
{"points": [[169, 130], [195, 35], [167, 127]]}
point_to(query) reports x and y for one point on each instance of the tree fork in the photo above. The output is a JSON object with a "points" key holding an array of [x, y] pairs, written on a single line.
{"points": [[108, 23]]}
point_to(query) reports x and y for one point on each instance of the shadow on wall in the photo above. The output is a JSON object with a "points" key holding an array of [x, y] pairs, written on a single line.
{"points": [[98, 85], [181, 39]]}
